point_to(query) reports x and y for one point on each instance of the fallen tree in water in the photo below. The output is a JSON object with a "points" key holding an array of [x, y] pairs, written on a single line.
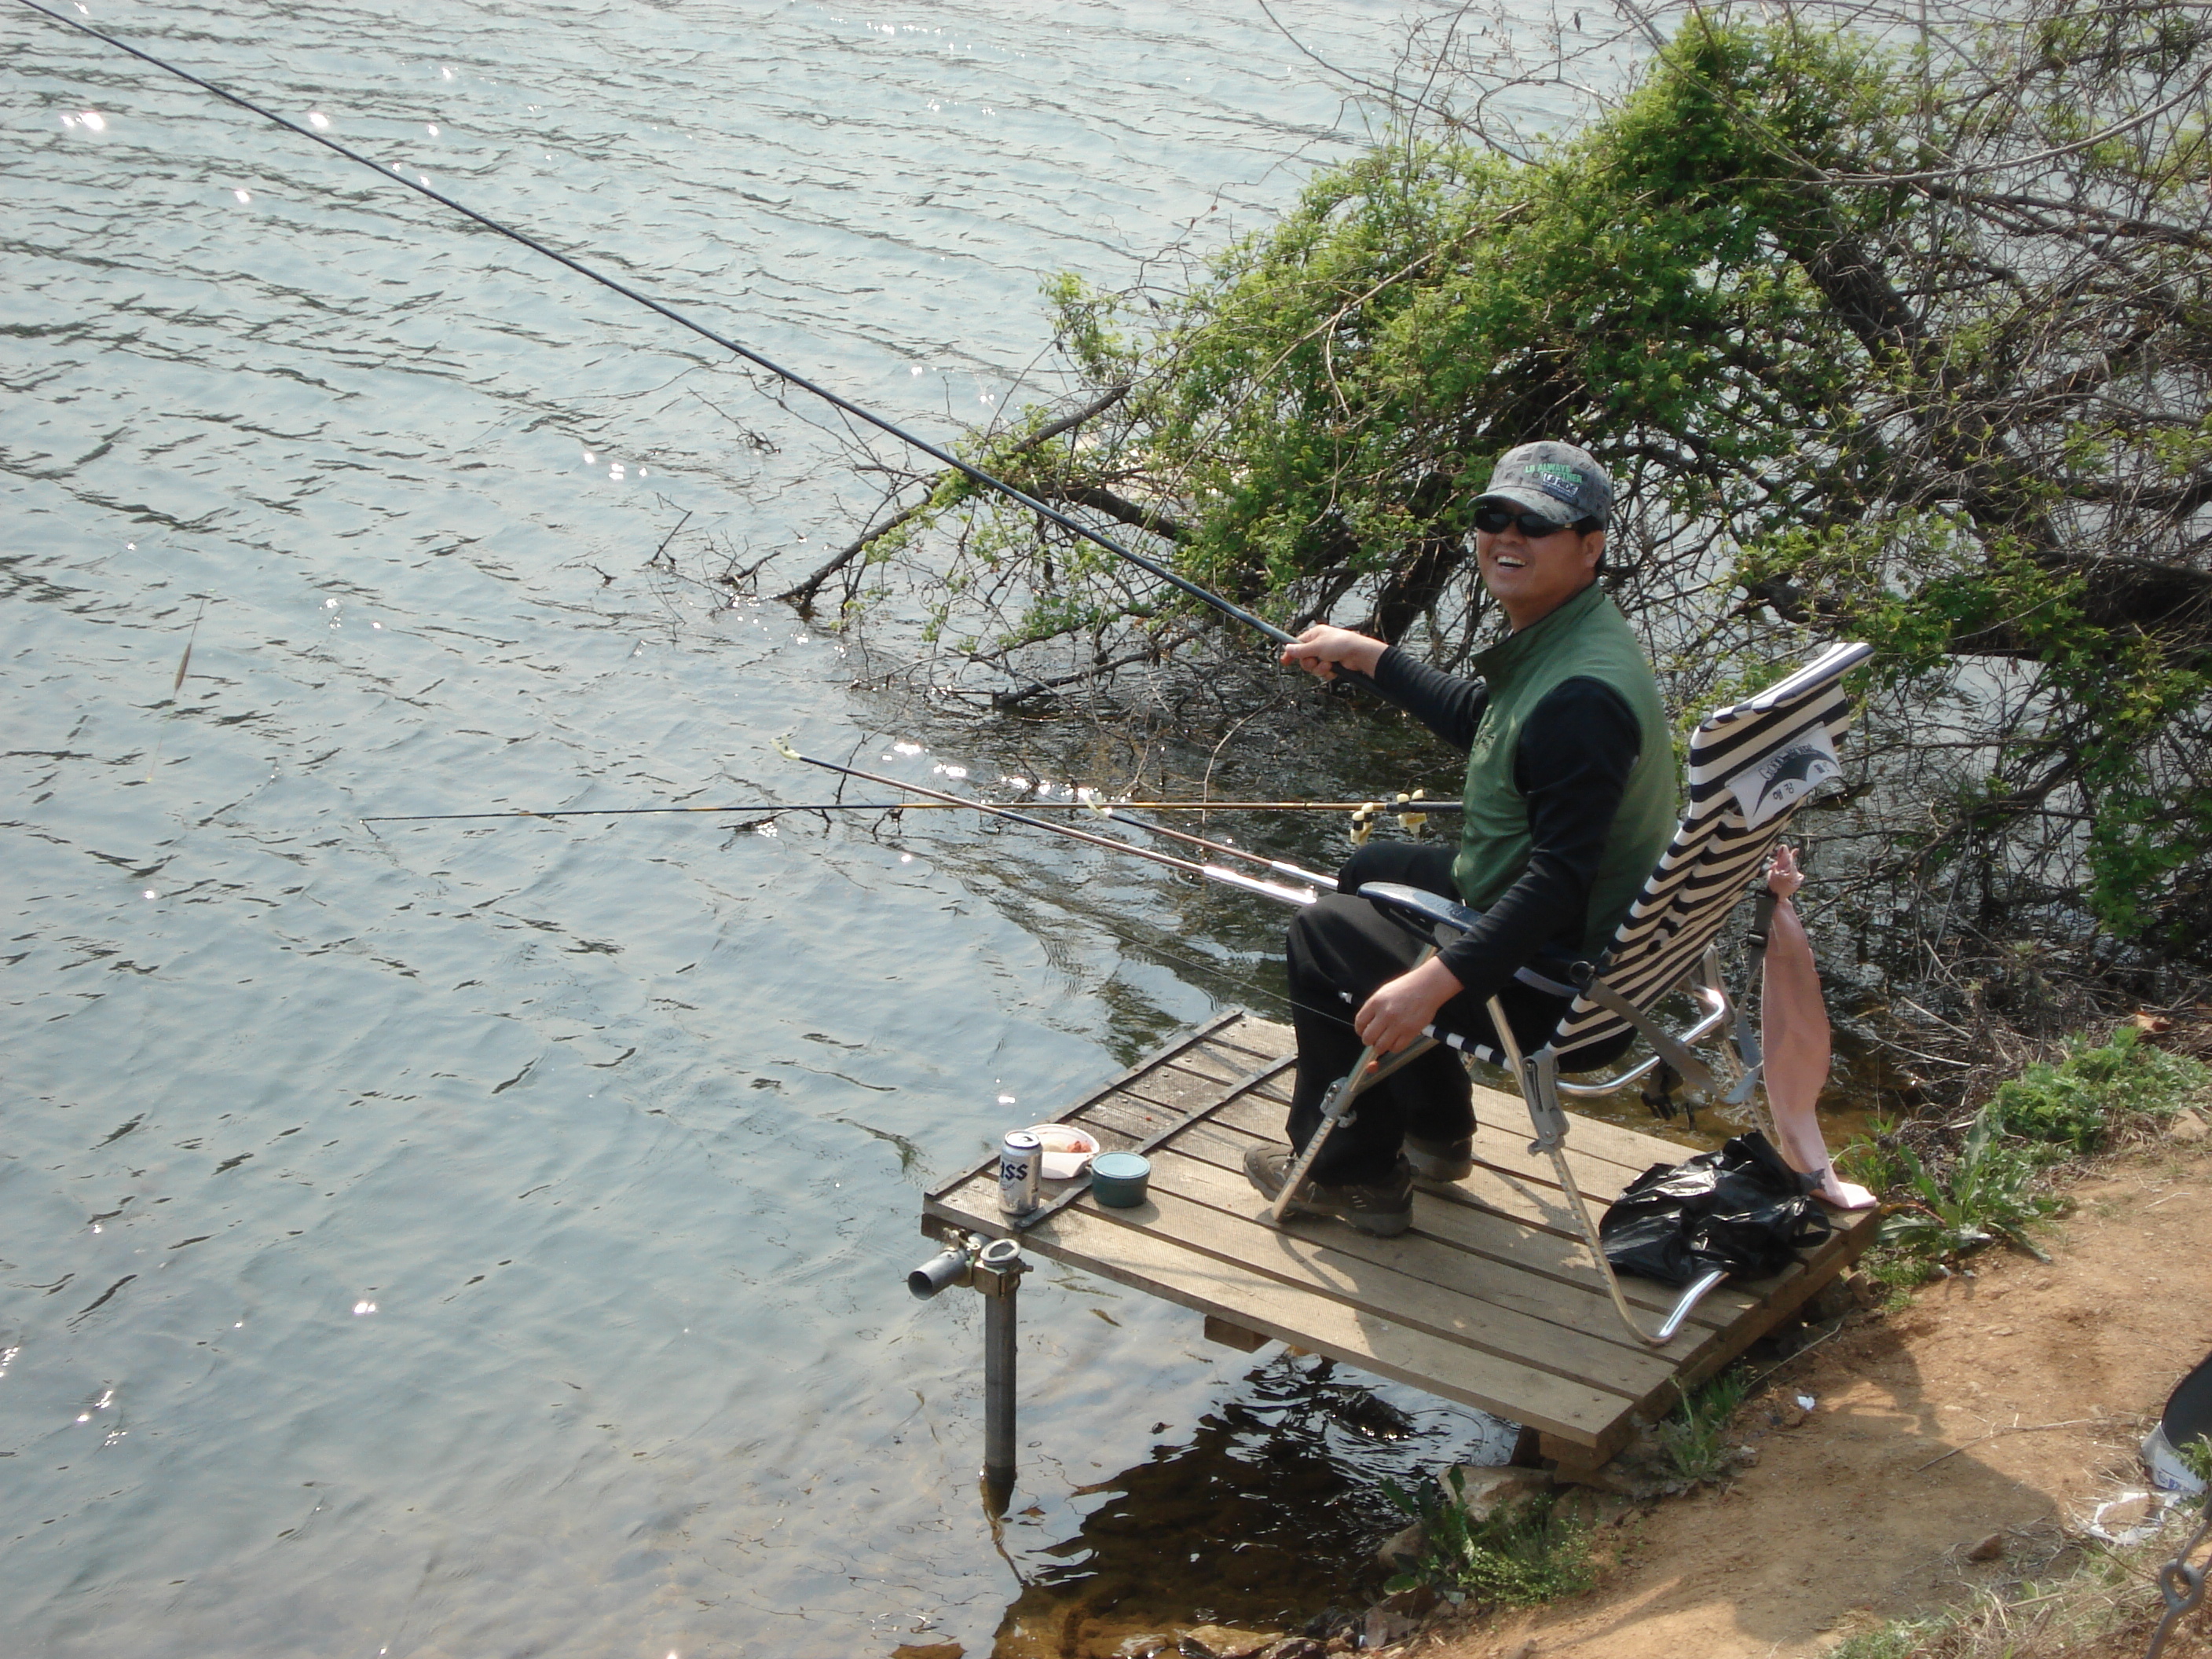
{"points": [[1904, 337]]}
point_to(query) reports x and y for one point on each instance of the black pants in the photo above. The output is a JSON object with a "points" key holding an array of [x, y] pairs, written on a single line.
{"points": [[1344, 946]]}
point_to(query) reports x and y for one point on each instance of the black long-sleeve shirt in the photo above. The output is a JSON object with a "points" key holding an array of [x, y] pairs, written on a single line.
{"points": [[1571, 766]]}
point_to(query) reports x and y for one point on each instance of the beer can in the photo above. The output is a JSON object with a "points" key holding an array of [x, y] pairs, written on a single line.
{"points": [[1020, 1155]]}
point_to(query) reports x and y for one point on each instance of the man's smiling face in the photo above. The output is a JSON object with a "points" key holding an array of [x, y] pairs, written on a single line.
{"points": [[1530, 577]]}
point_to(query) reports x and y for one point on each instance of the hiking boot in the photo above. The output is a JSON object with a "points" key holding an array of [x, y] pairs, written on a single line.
{"points": [[1441, 1160], [1384, 1208]]}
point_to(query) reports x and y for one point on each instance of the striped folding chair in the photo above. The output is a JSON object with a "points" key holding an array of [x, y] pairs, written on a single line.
{"points": [[1751, 765]]}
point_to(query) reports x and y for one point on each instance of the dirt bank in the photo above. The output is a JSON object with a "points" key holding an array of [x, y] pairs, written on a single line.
{"points": [[2037, 1381]]}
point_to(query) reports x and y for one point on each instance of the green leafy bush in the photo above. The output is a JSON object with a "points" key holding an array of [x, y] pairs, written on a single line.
{"points": [[2075, 1104]]}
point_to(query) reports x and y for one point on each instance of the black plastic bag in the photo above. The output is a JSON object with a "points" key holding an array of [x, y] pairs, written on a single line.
{"points": [[1741, 1209]]}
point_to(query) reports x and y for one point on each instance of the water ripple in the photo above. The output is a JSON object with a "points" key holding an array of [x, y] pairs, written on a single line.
{"points": [[487, 1237]]}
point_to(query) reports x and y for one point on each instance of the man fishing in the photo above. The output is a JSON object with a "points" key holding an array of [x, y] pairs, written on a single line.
{"points": [[1570, 800]]}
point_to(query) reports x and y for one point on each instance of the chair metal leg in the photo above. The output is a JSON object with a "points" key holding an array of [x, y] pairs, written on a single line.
{"points": [[1336, 1108], [1538, 1078], [1748, 1086]]}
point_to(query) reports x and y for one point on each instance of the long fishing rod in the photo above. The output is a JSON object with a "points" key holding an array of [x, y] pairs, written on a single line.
{"points": [[967, 468], [1214, 873], [1412, 808], [1224, 849], [1408, 807]]}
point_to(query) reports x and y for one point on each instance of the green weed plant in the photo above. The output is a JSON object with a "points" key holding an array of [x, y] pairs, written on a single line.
{"points": [[1990, 1196], [1694, 1435], [2196, 1457], [2078, 1104], [1874, 1162], [1520, 1555]]}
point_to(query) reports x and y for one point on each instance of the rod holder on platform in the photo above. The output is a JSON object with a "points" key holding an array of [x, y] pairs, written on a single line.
{"points": [[997, 1276], [954, 1265]]}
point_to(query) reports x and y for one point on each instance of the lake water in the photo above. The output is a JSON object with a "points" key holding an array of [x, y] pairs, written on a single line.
{"points": [[488, 1238]]}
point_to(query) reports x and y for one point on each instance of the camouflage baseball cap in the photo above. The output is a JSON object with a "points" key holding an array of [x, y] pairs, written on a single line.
{"points": [[1556, 480]]}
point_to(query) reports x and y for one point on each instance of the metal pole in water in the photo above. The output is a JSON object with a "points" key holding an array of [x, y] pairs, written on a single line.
{"points": [[998, 1273]]}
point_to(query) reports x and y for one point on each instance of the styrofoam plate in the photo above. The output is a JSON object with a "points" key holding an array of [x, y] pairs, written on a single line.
{"points": [[1067, 1149]]}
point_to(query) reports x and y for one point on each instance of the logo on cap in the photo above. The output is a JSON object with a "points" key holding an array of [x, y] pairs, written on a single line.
{"points": [[1564, 483]]}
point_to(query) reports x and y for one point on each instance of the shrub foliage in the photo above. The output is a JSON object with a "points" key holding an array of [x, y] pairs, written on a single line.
{"points": [[1888, 335]]}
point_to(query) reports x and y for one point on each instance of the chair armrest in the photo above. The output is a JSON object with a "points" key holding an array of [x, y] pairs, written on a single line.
{"points": [[1421, 912], [1417, 904]]}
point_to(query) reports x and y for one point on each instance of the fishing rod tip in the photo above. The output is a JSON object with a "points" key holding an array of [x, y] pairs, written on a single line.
{"points": [[784, 749]]}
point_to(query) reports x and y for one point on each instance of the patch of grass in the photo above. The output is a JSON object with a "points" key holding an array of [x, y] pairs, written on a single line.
{"points": [[1693, 1437], [1873, 1163], [2078, 1104], [1900, 1640], [2105, 1602], [1897, 1271], [1521, 1554]]}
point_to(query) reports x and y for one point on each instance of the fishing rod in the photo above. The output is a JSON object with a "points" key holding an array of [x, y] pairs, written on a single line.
{"points": [[1405, 806], [1296, 872], [967, 468], [643, 811], [1214, 873]]}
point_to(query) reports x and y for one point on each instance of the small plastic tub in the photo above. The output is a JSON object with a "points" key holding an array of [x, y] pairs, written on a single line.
{"points": [[1118, 1179]]}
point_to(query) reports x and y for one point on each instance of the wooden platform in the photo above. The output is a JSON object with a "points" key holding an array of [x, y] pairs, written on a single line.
{"points": [[1491, 1299]]}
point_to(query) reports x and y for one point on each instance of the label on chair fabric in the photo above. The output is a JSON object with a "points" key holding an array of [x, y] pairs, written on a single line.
{"points": [[1786, 777]]}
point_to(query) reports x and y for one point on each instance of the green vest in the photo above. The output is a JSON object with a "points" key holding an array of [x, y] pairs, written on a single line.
{"points": [[1586, 638]]}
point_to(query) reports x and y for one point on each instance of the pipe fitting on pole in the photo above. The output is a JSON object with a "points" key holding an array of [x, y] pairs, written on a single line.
{"points": [[954, 1265], [997, 1276]]}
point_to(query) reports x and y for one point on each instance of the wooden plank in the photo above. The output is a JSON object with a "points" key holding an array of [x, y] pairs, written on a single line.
{"points": [[1502, 1239], [1263, 1039], [1172, 1090], [1365, 1339], [1218, 1329], [1583, 1310], [1463, 1254], [1311, 1263], [1527, 1224], [1490, 1298], [1195, 1059]]}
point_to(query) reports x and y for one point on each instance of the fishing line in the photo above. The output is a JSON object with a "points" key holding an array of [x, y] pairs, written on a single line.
{"points": [[1214, 873], [968, 470], [1407, 808]]}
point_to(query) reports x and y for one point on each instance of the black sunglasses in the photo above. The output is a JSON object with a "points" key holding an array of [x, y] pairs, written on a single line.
{"points": [[1489, 519]]}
